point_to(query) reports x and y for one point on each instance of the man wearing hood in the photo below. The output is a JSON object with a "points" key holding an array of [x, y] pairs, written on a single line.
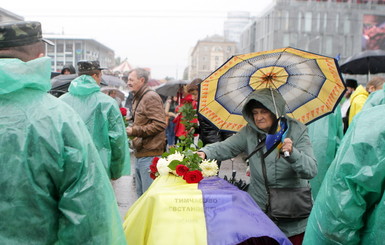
{"points": [[282, 172], [68, 69], [102, 117], [54, 189]]}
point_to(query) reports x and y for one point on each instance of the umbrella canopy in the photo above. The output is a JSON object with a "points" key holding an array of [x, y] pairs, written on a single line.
{"points": [[366, 62], [118, 93], [60, 84], [171, 88], [311, 85], [113, 81]]}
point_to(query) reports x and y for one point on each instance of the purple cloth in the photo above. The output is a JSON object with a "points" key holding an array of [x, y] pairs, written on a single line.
{"points": [[232, 216]]}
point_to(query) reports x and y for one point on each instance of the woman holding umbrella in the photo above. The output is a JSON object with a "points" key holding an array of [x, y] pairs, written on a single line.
{"points": [[276, 181]]}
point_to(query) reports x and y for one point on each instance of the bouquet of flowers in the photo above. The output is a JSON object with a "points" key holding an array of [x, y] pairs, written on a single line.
{"points": [[186, 164], [182, 160]]}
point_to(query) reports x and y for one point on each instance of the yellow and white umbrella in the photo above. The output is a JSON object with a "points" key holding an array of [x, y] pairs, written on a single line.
{"points": [[311, 85]]}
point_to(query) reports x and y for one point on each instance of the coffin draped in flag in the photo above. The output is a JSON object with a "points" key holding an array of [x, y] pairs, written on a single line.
{"points": [[211, 212]]}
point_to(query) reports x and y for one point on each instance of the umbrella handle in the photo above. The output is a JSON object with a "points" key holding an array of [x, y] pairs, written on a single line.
{"points": [[286, 154]]}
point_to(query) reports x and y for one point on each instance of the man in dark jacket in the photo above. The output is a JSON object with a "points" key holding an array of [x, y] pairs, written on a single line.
{"points": [[148, 130]]}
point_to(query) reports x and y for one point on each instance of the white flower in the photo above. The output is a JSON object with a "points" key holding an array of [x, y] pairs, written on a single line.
{"points": [[162, 166], [176, 156], [209, 168]]}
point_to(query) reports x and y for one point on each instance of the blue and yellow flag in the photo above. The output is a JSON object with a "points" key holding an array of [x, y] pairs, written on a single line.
{"points": [[208, 213], [275, 140]]}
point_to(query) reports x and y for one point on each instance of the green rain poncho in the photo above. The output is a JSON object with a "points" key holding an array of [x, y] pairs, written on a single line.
{"points": [[325, 135], [350, 205], [54, 189], [104, 121]]}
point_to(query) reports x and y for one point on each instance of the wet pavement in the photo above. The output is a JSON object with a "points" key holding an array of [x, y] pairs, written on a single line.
{"points": [[125, 192]]}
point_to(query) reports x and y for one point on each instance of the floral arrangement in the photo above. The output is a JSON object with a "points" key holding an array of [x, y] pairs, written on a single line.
{"points": [[186, 164], [182, 160]]}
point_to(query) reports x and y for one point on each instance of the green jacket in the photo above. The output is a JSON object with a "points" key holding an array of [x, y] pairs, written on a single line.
{"points": [[350, 205], [54, 189], [294, 171], [104, 121]]}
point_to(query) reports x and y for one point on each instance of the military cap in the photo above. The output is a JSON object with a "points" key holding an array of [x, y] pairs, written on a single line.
{"points": [[86, 65], [14, 34]]}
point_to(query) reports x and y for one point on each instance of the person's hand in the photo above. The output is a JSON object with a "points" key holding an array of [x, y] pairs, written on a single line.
{"points": [[129, 131], [287, 146], [248, 171], [201, 154]]}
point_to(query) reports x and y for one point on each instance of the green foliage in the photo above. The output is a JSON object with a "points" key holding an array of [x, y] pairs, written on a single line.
{"points": [[188, 116]]}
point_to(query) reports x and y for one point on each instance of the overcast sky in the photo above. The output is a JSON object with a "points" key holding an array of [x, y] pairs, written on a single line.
{"points": [[158, 34]]}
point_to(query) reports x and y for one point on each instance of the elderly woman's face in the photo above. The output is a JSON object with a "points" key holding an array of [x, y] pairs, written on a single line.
{"points": [[263, 118]]}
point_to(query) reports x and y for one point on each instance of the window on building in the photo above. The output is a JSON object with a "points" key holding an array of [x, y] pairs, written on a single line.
{"points": [[286, 40], [308, 21], [318, 22], [329, 45], [325, 19], [347, 25], [299, 24], [59, 47], [69, 47], [285, 20], [337, 16]]}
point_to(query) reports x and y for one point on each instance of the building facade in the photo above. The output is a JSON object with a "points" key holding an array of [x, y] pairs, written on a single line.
{"points": [[70, 50], [334, 28], [235, 23], [208, 55], [6, 16]]}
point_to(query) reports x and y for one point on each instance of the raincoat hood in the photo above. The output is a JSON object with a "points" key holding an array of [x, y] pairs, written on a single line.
{"points": [[265, 97], [83, 85], [34, 74]]}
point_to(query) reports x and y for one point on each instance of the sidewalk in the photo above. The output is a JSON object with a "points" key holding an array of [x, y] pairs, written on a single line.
{"points": [[125, 192]]}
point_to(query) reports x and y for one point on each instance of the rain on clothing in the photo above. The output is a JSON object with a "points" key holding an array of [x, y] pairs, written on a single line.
{"points": [[294, 171], [54, 189], [350, 205], [104, 121], [149, 125], [357, 101], [325, 135]]}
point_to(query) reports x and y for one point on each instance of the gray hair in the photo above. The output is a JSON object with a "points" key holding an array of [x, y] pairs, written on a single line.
{"points": [[140, 72]]}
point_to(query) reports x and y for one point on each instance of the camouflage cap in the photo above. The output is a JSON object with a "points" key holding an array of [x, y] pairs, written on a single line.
{"points": [[14, 34], [86, 65]]}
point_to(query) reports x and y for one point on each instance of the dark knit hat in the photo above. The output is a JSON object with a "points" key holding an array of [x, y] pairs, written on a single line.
{"points": [[352, 83], [14, 34]]}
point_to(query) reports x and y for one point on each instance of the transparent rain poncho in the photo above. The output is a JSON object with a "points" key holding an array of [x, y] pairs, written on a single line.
{"points": [[54, 189], [350, 205], [104, 121]]}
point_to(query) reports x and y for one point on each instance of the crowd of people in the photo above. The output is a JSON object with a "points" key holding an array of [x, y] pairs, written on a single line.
{"points": [[320, 184]]}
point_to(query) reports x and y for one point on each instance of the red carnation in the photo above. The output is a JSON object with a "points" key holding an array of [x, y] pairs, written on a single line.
{"points": [[153, 168], [155, 160], [193, 176], [152, 176], [123, 111], [181, 169]]}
